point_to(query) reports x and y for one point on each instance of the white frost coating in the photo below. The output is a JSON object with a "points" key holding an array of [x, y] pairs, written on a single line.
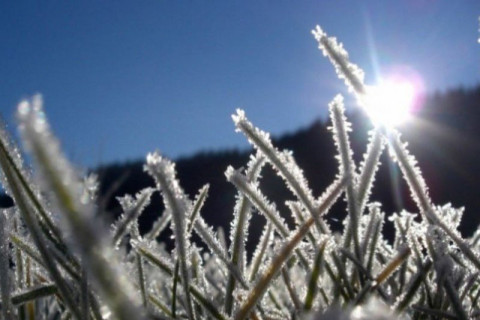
{"points": [[12, 158], [369, 167], [159, 225], [132, 209], [58, 177], [330, 195], [450, 216], [5, 274], [242, 209], [55, 170], [156, 164], [282, 162], [447, 219], [405, 223], [474, 240], [138, 203], [8, 146], [347, 71], [411, 172], [90, 188], [199, 270], [239, 228], [163, 171], [254, 194], [197, 206], [298, 214], [208, 236], [340, 128], [371, 235], [260, 251]]}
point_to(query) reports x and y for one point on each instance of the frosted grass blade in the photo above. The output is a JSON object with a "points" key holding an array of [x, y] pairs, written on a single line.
{"points": [[253, 193], [6, 284], [289, 245], [282, 162], [132, 209], [340, 129], [419, 191], [206, 234], [239, 229], [14, 161], [317, 269], [262, 283], [369, 167], [61, 179], [197, 206], [392, 266], [168, 269], [412, 174], [159, 225], [163, 171], [36, 234], [259, 253], [135, 234], [349, 72]]}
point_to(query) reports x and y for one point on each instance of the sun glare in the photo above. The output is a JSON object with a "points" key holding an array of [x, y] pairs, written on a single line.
{"points": [[391, 102]]}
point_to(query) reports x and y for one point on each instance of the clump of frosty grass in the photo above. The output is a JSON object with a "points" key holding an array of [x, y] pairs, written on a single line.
{"points": [[56, 262]]}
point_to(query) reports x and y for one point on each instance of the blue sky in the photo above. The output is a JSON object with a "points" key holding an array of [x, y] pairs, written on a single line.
{"points": [[122, 78]]}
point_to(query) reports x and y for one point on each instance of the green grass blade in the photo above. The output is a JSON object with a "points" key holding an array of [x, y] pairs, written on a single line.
{"points": [[34, 293], [317, 269]]}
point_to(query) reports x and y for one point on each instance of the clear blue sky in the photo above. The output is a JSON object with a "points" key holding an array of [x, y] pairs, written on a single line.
{"points": [[122, 78]]}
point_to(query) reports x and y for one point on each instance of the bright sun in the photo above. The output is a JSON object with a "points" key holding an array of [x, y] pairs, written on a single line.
{"points": [[390, 103]]}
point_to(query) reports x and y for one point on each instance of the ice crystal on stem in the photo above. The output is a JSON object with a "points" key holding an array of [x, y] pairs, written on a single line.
{"points": [[349, 72], [163, 171]]}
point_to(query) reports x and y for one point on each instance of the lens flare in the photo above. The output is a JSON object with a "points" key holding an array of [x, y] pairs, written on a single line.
{"points": [[391, 102]]}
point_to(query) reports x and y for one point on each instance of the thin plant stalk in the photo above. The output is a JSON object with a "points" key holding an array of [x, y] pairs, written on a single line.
{"points": [[6, 284], [61, 179], [312, 283], [277, 262], [281, 162], [32, 225], [239, 229]]}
